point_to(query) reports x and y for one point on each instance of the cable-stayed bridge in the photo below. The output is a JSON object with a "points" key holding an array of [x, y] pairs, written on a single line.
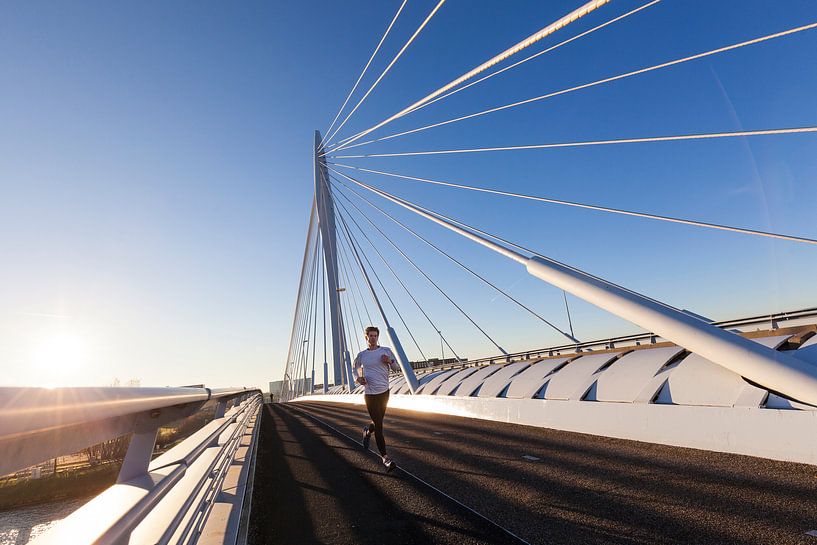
{"points": [[690, 430]]}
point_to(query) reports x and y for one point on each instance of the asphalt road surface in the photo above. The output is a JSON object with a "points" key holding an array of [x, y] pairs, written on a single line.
{"points": [[315, 486]]}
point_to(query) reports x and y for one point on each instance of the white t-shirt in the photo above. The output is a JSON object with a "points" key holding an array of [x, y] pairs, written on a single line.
{"points": [[374, 370]]}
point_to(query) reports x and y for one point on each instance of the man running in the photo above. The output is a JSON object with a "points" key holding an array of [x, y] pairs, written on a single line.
{"points": [[372, 370]]}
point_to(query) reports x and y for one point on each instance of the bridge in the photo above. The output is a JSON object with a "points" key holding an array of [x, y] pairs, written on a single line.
{"points": [[689, 431]]}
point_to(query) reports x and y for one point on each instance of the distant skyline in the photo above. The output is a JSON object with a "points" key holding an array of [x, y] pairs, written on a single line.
{"points": [[156, 172]]}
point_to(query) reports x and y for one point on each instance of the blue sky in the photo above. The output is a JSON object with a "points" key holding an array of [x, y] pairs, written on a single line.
{"points": [[156, 175]]}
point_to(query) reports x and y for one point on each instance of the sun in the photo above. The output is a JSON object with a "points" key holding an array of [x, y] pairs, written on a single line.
{"points": [[58, 358]]}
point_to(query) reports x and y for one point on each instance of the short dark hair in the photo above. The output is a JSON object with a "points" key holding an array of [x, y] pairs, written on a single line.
{"points": [[372, 328]]}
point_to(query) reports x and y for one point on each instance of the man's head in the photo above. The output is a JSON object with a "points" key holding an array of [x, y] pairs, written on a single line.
{"points": [[372, 334]]}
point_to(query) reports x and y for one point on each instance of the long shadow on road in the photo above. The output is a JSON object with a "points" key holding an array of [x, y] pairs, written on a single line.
{"points": [[313, 487], [588, 489]]}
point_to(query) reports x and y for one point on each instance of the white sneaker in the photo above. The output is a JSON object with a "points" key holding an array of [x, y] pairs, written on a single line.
{"points": [[389, 463]]}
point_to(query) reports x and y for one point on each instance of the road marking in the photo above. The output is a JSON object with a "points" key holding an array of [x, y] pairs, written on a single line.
{"points": [[812, 533], [531, 458], [438, 433]]}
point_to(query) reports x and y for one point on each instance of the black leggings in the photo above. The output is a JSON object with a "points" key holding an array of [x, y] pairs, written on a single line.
{"points": [[376, 405]]}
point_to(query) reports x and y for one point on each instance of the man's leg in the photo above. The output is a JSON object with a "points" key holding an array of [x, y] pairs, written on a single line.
{"points": [[376, 405], [368, 429]]}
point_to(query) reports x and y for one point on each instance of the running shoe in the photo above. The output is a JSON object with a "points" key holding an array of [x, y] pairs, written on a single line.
{"points": [[367, 436], [389, 463]]}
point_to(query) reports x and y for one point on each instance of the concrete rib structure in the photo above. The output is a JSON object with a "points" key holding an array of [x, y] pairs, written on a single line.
{"points": [[656, 392]]}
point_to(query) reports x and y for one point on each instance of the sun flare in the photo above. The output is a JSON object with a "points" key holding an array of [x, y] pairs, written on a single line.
{"points": [[58, 358]]}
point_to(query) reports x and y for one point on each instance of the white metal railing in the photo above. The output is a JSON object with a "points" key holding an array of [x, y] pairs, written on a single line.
{"points": [[166, 500], [767, 321]]}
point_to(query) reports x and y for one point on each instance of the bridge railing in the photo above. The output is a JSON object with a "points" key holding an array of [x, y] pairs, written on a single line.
{"points": [[745, 325], [175, 498]]}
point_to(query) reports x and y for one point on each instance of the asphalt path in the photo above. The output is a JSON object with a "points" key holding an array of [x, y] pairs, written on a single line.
{"points": [[315, 486], [312, 485]]}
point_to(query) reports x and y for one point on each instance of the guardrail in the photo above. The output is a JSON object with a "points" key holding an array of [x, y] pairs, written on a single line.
{"points": [[768, 321], [176, 498]]}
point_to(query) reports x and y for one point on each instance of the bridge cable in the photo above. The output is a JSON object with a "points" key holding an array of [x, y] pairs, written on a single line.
{"points": [[640, 140], [295, 372], [314, 314], [353, 246], [496, 59], [365, 68], [567, 311], [392, 271], [349, 326], [346, 314], [311, 316], [455, 260], [535, 55], [500, 71], [383, 74], [348, 241], [318, 290], [469, 232], [351, 270], [358, 327], [396, 276], [433, 283], [295, 314], [346, 275], [603, 81], [598, 208], [300, 360], [342, 333], [324, 289]]}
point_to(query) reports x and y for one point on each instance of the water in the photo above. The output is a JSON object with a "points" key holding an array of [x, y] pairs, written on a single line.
{"points": [[21, 526]]}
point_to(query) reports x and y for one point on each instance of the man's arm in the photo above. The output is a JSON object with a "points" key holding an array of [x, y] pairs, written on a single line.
{"points": [[357, 366], [393, 365]]}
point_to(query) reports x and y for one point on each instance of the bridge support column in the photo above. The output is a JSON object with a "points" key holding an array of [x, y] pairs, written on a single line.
{"points": [[326, 224]]}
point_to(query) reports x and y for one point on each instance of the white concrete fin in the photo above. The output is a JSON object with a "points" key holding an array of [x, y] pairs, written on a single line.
{"points": [[592, 392], [807, 352], [627, 377], [397, 384], [451, 383], [698, 381], [435, 381], [497, 382], [574, 379], [528, 382], [772, 342], [474, 380]]}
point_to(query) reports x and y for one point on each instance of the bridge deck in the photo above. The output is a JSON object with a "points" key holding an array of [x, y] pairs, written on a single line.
{"points": [[546, 486]]}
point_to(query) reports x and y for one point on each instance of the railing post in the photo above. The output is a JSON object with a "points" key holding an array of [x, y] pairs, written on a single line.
{"points": [[140, 449], [221, 408]]}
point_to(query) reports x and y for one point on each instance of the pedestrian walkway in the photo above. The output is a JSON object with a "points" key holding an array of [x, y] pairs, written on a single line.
{"points": [[314, 485]]}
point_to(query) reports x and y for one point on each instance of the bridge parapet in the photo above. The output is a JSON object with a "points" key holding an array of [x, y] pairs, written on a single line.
{"points": [[169, 499]]}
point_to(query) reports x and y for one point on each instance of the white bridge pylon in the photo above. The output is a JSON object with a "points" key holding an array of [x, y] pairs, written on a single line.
{"points": [[326, 225]]}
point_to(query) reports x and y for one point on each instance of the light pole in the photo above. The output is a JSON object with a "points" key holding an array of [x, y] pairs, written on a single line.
{"points": [[347, 359]]}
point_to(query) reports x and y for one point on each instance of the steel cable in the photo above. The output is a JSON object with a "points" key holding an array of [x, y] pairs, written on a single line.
{"points": [[496, 59], [603, 81], [598, 208]]}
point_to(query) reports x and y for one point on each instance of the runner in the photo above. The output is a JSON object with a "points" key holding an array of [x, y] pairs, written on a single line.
{"points": [[372, 370]]}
